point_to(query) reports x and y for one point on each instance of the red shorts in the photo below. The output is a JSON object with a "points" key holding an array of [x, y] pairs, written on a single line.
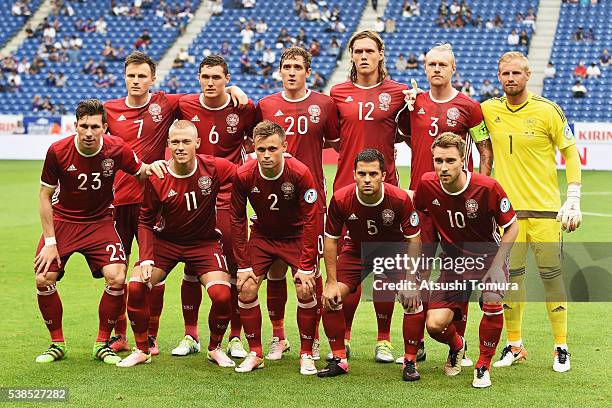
{"points": [[429, 234], [225, 226], [264, 251], [200, 257], [349, 269], [126, 216], [98, 242]]}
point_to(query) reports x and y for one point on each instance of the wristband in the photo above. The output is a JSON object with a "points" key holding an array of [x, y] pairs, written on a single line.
{"points": [[573, 191], [147, 262], [50, 241]]}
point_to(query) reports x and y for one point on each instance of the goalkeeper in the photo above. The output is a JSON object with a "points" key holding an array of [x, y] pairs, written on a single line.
{"points": [[525, 131]]}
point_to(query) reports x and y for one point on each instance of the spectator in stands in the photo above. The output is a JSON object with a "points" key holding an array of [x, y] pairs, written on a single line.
{"points": [[589, 35], [101, 26], [89, 26], [334, 47], [312, 10], [36, 65], [61, 109], [390, 25], [457, 21], [217, 7], [247, 36], [530, 19], [443, 9], [248, 4], [513, 38], [580, 71], [261, 26], [301, 39], [108, 51], [518, 18], [49, 32], [465, 9], [498, 22], [101, 80], [318, 82], [37, 103], [14, 81], [375, 5], [604, 59], [550, 71], [401, 64], [467, 89], [593, 71], [337, 26], [245, 64], [477, 22], [421, 57], [412, 62], [173, 85], [455, 8], [61, 80], [267, 61], [578, 34], [335, 14], [325, 13], [29, 31], [410, 8], [379, 25], [76, 42], [206, 52], [315, 48], [50, 79], [24, 66], [225, 51], [579, 90], [594, 2], [101, 67], [121, 10], [524, 39], [264, 81], [143, 41], [120, 54], [488, 90], [490, 24], [259, 46], [284, 39]]}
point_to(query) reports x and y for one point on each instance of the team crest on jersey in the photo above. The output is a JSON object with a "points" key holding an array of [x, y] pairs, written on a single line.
{"points": [[452, 115], [567, 132], [310, 196], [414, 219], [314, 111], [232, 121], [156, 112], [107, 167], [387, 216], [385, 100], [504, 205], [205, 184], [472, 208], [288, 190]]}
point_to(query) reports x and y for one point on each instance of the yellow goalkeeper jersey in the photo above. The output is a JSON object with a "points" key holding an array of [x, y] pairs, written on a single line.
{"points": [[524, 139]]}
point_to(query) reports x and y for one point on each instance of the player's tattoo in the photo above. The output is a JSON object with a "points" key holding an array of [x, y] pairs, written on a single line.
{"points": [[485, 149]]}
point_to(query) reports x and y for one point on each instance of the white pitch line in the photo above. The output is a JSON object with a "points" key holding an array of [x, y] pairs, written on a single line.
{"points": [[593, 214], [594, 193]]}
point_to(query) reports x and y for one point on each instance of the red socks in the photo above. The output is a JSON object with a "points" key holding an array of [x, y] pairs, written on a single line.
{"points": [[139, 312], [111, 305], [413, 327], [384, 313], [448, 336], [156, 303], [250, 314], [235, 322], [51, 309], [460, 324], [334, 325], [491, 326], [191, 298], [121, 325], [276, 300], [219, 315], [307, 318], [349, 307]]}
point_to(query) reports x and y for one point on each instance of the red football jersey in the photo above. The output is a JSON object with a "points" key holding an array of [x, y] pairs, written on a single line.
{"points": [[308, 123], [392, 219], [468, 217], [222, 132], [145, 129], [368, 119], [285, 207], [182, 208], [430, 118], [84, 183]]}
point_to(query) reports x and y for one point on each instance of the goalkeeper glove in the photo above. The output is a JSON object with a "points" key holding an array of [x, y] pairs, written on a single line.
{"points": [[569, 214], [411, 94]]}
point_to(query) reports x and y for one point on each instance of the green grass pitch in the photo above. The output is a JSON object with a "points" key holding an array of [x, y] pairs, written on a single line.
{"points": [[192, 381]]}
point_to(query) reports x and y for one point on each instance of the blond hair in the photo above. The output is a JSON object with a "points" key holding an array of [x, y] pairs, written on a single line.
{"points": [[443, 47], [511, 55], [182, 124], [450, 139], [374, 36]]}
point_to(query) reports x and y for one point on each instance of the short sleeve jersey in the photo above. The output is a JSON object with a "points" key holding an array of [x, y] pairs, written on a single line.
{"points": [[145, 129], [84, 183], [430, 118], [181, 208], [222, 132], [525, 139], [469, 218], [368, 119], [308, 123], [392, 219]]}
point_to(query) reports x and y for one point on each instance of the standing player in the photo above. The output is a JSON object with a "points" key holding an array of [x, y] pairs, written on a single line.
{"points": [[467, 210], [78, 218], [526, 129], [442, 109], [368, 104], [372, 211], [310, 121], [283, 195], [142, 120], [177, 224], [224, 131]]}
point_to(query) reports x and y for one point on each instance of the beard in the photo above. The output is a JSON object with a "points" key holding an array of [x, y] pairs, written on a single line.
{"points": [[513, 91]]}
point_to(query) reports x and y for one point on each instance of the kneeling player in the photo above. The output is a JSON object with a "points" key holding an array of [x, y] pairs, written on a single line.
{"points": [[283, 195], [372, 211], [467, 209], [177, 224], [78, 218]]}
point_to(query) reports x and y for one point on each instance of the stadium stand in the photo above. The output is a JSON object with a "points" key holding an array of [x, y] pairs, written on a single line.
{"points": [[276, 14], [11, 23], [122, 31], [568, 52], [477, 48]]}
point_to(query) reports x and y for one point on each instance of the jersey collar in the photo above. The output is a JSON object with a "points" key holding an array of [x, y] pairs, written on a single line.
{"points": [[367, 87], [76, 145], [275, 177], [296, 100], [185, 175], [467, 183], [382, 197], [454, 95], [516, 108], [141, 106], [201, 99]]}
